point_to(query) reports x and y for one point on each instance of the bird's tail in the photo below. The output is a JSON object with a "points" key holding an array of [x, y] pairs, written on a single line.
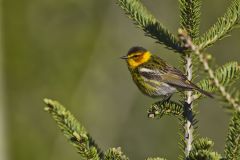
{"points": [[203, 92]]}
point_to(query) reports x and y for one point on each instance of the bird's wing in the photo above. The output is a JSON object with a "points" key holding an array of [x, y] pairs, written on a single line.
{"points": [[163, 72], [152, 70], [149, 73], [175, 77], [169, 75]]}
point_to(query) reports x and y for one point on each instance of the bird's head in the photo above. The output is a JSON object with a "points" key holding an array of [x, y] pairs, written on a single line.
{"points": [[137, 56]]}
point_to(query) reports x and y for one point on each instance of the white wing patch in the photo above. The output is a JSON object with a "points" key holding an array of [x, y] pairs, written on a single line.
{"points": [[150, 74], [147, 70]]}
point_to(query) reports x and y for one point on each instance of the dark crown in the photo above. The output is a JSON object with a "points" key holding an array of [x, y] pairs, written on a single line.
{"points": [[136, 49]]}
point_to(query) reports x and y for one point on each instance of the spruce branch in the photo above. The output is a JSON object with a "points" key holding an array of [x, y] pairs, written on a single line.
{"points": [[74, 131], [183, 143], [222, 27], [202, 150], [188, 106], [115, 154], [152, 27], [190, 16], [226, 74], [226, 95], [232, 147], [202, 144], [189, 22], [159, 109], [188, 115], [187, 121]]}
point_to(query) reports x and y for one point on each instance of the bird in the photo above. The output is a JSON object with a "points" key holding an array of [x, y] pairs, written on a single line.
{"points": [[154, 77]]}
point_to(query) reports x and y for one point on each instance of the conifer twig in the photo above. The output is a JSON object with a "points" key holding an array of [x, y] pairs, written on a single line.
{"points": [[152, 27], [203, 150], [188, 104], [232, 147], [115, 154], [160, 109], [189, 21], [222, 27], [189, 44], [216, 82], [190, 16], [188, 113], [74, 131]]}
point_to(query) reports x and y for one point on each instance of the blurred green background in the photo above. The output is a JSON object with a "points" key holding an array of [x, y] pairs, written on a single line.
{"points": [[69, 50]]}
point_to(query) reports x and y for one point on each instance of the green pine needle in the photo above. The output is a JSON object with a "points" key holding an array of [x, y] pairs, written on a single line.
{"points": [[202, 150], [205, 155], [115, 154], [232, 147], [222, 27], [152, 27], [202, 144], [227, 74], [74, 131], [159, 109], [190, 16]]}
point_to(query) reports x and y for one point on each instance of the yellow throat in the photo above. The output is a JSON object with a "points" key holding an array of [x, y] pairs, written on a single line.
{"points": [[134, 62]]}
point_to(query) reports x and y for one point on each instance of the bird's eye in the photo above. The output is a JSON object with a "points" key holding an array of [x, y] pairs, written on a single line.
{"points": [[135, 56]]}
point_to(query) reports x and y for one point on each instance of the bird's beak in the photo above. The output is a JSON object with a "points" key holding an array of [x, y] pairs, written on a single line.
{"points": [[124, 57]]}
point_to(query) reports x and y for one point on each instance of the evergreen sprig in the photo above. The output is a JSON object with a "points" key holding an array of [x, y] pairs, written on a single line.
{"points": [[78, 136], [187, 115], [159, 109], [232, 147], [222, 27], [202, 150], [74, 131], [152, 27], [189, 23], [115, 154], [190, 16], [227, 75], [202, 144]]}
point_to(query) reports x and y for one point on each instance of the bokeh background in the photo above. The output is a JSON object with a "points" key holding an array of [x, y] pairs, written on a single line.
{"points": [[69, 50]]}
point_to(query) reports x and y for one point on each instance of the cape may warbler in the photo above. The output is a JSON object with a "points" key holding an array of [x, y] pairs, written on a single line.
{"points": [[154, 77]]}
